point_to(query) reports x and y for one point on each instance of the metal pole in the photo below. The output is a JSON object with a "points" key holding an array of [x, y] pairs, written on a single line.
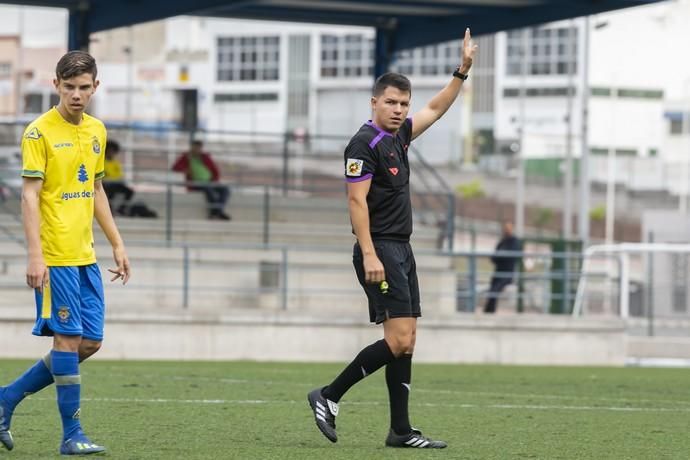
{"points": [[624, 284], [129, 51], [20, 66], [286, 155], [568, 166], [683, 199], [583, 222], [284, 275], [611, 174], [267, 215], [185, 276], [473, 280], [520, 198], [450, 223], [168, 213], [650, 296], [566, 281]]}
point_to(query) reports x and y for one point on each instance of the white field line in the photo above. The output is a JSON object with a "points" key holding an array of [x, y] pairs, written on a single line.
{"points": [[416, 390], [374, 403]]}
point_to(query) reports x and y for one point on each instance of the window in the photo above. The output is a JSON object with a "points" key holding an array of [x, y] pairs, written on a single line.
{"points": [[539, 92], [248, 58], [5, 70], [350, 55], [600, 92], [618, 152], [549, 51], [440, 59], [626, 152], [244, 97], [676, 127], [33, 103], [641, 93]]}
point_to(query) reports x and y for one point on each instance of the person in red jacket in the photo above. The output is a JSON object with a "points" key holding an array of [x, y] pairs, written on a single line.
{"points": [[203, 175]]}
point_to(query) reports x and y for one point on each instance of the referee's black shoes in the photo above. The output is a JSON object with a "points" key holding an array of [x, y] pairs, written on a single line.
{"points": [[414, 439], [325, 412]]}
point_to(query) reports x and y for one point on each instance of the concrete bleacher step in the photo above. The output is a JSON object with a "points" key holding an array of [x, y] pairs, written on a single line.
{"points": [[305, 233], [230, 278]]}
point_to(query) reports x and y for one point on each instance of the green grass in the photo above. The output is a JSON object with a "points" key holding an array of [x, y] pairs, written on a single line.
{"points": [[242, 410]]}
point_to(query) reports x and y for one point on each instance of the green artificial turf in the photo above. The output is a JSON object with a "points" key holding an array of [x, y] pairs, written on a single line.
{"points": [[246, 410]]}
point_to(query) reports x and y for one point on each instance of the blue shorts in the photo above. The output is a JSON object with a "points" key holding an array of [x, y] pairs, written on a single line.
{"points": [[72, 303]]}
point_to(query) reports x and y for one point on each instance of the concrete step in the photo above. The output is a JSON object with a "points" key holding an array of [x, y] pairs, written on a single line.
{"points": [[304, 233]]}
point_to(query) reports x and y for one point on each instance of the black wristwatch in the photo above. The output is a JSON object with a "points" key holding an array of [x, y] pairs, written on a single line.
{"points": [[460, 75]]}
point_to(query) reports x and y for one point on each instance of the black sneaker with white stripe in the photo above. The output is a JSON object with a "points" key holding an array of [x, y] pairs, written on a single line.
{"points": [[413, 439], [325, 412]]}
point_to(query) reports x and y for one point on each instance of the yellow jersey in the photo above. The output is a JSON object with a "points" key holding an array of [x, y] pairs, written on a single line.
{"points": [[68, 158], [113, 170]]}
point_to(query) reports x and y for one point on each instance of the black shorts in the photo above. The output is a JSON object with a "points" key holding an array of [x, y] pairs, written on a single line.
{"points": [[402, 297]]}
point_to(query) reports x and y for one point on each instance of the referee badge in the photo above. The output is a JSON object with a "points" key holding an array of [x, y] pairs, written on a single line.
{"points": [[354, 167]]}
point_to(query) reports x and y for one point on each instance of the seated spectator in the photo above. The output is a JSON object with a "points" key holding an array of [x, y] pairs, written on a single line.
{"points": [[202, 175], [114, 180], [114, 185]]}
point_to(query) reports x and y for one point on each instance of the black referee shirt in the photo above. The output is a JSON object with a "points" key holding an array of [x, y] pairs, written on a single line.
{"points": [[382, 157]]}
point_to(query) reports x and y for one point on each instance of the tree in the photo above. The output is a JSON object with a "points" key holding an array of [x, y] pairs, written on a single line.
{"points": [[83, 176]]}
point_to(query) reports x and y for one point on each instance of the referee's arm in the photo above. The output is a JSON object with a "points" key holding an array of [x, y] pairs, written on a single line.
{"points": [[440, 103], [359, 215]]}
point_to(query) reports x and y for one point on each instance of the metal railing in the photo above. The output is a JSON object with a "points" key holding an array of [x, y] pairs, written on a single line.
{"points": [[312, 279], [290, 163]]}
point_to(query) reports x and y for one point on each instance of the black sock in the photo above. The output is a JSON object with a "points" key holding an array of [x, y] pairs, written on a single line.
{"points": [[398, 378], [368, 361]]}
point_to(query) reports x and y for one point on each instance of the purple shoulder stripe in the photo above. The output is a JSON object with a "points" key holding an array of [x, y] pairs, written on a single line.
{"points": [[359, 179], [376, 140]]}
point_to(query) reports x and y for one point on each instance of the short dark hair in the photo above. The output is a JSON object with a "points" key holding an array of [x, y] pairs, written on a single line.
{"points": [[75, 63], [197, 143], [396, 80], [112, 146]]}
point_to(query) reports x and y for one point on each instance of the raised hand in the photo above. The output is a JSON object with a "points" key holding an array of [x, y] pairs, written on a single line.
{"points": [[468, 51]]}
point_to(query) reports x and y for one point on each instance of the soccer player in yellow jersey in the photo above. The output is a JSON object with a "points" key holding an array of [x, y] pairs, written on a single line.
{"points": [[62, 153]]}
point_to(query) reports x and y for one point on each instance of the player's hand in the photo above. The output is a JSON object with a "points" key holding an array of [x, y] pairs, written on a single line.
{"points": [[122, 271], [373, 269], [37, 274], [468, 51]]}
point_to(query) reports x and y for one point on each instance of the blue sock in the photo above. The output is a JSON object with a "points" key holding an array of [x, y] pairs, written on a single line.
{"points": [[68, 384], [36, 378]]}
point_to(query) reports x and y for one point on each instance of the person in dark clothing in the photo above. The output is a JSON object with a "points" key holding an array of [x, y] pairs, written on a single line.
{"points": [[504, 266], [377, 171], [200, 169]]}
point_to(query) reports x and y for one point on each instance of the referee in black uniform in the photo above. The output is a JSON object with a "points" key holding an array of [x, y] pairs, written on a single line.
{"points": [[377, 171]]}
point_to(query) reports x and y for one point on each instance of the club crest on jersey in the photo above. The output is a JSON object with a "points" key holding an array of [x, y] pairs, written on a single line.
{"points": [[63, 314], [96, 145], [354, 167], [393, 171], [34, 134]]}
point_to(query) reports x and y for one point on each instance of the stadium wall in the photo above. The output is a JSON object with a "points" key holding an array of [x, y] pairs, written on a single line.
{"points": [[521, 339]]}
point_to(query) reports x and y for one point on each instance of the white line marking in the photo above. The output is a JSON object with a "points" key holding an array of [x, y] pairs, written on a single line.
{"points": [[375, 403], [417, 390]]}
